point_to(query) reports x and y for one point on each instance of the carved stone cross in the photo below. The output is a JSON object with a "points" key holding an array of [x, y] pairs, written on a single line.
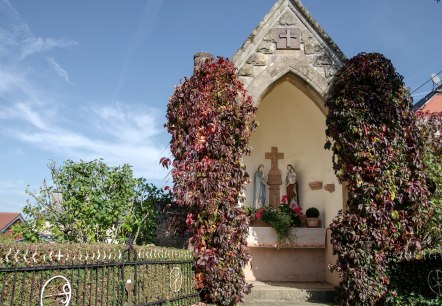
{"points": [[288, 38], [275, 179], [274, 156], [287, 35]]}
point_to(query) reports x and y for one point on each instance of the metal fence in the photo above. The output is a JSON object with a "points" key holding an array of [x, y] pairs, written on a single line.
{"points": [[148, 276]]}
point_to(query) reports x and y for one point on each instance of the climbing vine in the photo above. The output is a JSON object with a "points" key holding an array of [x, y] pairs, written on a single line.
{"points": [[377, 151], [430, 127], [211, 117]]}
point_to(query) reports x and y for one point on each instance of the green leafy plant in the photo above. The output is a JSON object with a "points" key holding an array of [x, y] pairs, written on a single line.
{"points": [[281, 218], [92, 202], [210, 117], [377, 151], [312, 212]]}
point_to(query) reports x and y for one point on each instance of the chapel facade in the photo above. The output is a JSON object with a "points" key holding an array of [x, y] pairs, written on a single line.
{"points": [[287, 65]]}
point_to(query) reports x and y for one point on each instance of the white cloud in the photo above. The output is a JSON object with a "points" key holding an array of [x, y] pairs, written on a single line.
{"points": [[145, 27], [59, 70], [16, 38], [121, 135], [31, 44], [25, 112], [43, 117], [116, 132], [24, 101], [123, 123]]}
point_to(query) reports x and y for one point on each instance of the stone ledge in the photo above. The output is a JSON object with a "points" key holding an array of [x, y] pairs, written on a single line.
{"points": [[266, 237]]}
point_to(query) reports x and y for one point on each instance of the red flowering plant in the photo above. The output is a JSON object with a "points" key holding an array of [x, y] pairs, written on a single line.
{"points": [[281, 218]]}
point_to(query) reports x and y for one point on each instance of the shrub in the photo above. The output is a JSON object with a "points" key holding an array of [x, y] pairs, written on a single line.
{"points": [[312, 212], [416, 281], [211, 117], [377, 151], [92, 202]]}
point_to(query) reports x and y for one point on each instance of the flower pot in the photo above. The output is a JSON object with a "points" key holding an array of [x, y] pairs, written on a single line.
{"points": [[312, 222], [259, 223]]}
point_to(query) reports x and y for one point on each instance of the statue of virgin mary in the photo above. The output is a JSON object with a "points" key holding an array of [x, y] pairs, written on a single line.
{"points": [[259, 192]]}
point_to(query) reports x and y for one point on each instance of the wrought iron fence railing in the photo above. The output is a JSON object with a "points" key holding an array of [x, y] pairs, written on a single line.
{"points": [[41, 275]]}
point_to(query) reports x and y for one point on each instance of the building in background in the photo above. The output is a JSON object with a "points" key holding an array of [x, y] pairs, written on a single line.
{"points": [[7, 221], [433, 101]]}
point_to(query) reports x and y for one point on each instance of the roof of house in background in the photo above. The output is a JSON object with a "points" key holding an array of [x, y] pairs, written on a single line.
{"points": [[8, 218], [431, 102]]}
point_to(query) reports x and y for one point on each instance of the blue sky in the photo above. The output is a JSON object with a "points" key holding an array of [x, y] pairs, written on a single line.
{"points": [[91, 79]]}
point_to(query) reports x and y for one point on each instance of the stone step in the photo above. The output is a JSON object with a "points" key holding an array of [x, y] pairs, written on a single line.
{"points": [[287, 293], [281, 303]]}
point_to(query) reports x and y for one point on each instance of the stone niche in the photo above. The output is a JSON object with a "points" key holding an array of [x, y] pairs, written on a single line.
{"points": [[290, 121]]}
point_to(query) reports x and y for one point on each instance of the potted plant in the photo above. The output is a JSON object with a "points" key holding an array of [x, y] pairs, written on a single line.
{"points": [[312, 216], [282, 219]]}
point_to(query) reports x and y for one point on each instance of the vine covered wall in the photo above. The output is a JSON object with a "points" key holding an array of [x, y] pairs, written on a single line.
{"points": [[210, 117], [377, 151]]}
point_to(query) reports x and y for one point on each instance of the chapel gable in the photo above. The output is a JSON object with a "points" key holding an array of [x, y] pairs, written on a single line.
{"points": [[288, 40]]}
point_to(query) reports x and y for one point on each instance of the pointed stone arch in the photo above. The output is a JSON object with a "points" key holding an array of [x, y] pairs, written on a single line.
{"points": [[295, 78]]}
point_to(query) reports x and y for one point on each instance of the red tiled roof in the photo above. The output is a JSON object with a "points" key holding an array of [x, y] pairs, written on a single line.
{"points": [[434, 104], [433, 99], [7, 218]]}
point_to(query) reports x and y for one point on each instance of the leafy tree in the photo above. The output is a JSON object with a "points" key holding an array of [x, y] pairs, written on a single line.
{"points": [[377, 150], [92, 202], [211, 117]]}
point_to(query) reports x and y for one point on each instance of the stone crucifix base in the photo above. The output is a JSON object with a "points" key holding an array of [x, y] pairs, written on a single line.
{"points": [[274, 195]]}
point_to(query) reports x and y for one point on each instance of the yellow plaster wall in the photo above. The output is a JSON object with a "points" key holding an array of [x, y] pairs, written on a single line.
{"points": [[291, 121]]}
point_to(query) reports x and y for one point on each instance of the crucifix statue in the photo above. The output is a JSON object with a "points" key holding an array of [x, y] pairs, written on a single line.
{"points": [[275, 179]]}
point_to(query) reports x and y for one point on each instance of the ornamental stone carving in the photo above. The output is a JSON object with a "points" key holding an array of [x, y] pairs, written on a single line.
{"points": [[258, 59]]}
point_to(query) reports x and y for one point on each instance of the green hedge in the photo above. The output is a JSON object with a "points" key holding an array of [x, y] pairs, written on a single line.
{"points": [[411, 280], [98, 274]]}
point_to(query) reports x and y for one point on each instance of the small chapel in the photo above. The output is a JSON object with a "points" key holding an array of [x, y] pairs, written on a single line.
{"points": [[287, 65]]}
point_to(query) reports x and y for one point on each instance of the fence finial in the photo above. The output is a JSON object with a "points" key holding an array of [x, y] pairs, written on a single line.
{"points": [[33, 256], [7, 255]]}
